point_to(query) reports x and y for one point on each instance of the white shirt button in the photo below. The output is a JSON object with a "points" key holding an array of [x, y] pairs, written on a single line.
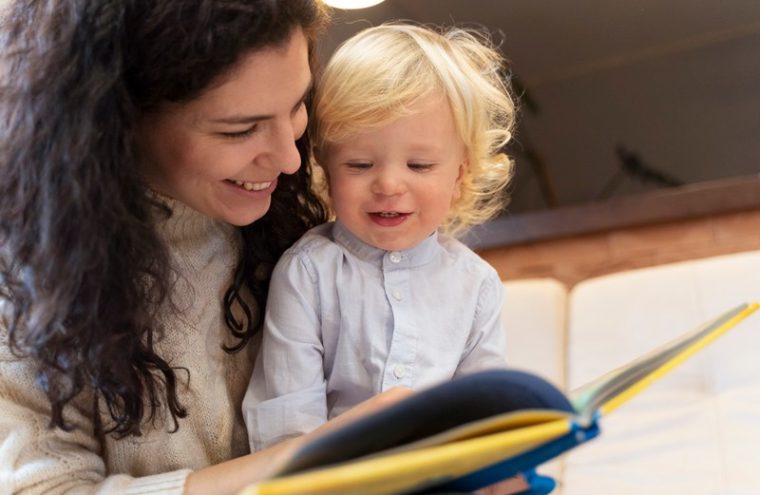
{"points": [[396, 294], [395, 257], [399, 371]]}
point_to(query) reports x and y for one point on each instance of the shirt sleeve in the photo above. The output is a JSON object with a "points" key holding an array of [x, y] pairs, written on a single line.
{"points": [[37, 459], [485, 347], [286, 396]]}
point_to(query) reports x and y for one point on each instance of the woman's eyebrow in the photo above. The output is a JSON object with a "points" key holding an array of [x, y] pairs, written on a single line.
{"points": [[241, 119]]}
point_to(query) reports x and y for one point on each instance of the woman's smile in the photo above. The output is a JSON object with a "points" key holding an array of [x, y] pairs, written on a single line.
{"points": [[251, 186]]}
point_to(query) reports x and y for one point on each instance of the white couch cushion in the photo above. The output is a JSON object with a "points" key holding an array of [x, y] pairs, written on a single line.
{"points": [[534, 315], [697, 430]]}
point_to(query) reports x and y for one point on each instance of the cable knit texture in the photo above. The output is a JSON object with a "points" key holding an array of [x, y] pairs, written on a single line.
{"points": [[35, 459]]}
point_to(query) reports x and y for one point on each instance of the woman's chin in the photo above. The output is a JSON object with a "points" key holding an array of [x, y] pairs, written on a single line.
{"points": [[241, 217]]}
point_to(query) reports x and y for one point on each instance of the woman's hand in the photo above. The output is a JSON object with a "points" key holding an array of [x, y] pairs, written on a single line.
{"points": [[516, 484], [232, 476]]}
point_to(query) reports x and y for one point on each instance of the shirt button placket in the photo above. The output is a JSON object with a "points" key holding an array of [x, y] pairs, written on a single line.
{"points": [[395, 289], [395, 257], [399, 371]]}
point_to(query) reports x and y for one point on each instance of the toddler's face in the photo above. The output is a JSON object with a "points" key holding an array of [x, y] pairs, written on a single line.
{"points": [[392, 186]]}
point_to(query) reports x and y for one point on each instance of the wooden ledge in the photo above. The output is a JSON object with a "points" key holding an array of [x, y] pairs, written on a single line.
{"points": [[665, 205]]}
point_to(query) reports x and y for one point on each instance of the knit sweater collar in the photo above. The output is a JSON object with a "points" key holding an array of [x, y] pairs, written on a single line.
{"points": [[186, 225]]}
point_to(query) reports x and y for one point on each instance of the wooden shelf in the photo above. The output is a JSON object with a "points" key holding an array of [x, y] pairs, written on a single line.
{"points": [[662, 206]]}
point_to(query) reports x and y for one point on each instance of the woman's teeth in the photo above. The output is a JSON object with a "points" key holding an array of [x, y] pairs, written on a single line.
{"points": [[251, 186]]}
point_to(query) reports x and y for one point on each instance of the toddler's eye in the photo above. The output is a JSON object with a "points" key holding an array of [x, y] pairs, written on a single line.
{"points": [[420, 167], [359, 165]]}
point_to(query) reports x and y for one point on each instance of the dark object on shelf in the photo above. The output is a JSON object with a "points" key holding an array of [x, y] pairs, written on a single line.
{"points": [[631, 165]]}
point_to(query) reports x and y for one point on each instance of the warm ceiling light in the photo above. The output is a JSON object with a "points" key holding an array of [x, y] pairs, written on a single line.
{"points": [[352, 4]]}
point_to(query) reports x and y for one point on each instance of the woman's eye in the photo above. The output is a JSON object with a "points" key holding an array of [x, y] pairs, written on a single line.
{"points": [[420, 167], [239, 134]]}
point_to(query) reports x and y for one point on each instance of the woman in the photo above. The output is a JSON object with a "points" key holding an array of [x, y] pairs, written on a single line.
{"points": [[150, 154]]}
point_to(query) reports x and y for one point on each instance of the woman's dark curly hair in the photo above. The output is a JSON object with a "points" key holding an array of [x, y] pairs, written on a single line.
{"points": [[82, 267]]}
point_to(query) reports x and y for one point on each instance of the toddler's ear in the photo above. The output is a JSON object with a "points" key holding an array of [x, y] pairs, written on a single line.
{"points": [[320, 176], [460, 177], [317, 157]]}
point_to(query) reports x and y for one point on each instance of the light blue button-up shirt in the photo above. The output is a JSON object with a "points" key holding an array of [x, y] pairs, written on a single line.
{"points": [[345, 321]]}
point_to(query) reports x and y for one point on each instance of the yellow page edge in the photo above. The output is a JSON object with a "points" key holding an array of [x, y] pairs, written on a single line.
{"points": [[689, 351]]}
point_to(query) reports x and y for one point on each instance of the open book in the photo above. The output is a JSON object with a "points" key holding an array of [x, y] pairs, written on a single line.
{"points": [[475, 430]]}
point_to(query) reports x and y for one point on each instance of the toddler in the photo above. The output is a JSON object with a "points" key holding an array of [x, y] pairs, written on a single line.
{"points": [[409, 126]]}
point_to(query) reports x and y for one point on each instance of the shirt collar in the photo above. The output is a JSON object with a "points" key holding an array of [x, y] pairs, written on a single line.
{"points": [[418, 255]]}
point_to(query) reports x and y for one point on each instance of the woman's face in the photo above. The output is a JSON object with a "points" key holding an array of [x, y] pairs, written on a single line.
{"points": [[221, 153]]}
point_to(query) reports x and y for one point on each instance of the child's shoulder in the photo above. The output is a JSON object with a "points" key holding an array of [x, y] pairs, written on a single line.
{"points": [[315, 252], [316, 239], [465, 257]]}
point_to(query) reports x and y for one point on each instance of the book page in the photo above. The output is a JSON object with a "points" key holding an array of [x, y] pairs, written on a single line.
{"points": [[611, 389], [488, 426]]}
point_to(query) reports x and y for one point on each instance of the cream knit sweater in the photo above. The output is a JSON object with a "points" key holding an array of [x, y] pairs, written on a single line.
{"points": [[36, 459]]}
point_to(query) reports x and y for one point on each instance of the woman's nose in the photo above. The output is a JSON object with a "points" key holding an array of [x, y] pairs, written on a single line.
{"points": [[284, 150], [291, 158]]}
